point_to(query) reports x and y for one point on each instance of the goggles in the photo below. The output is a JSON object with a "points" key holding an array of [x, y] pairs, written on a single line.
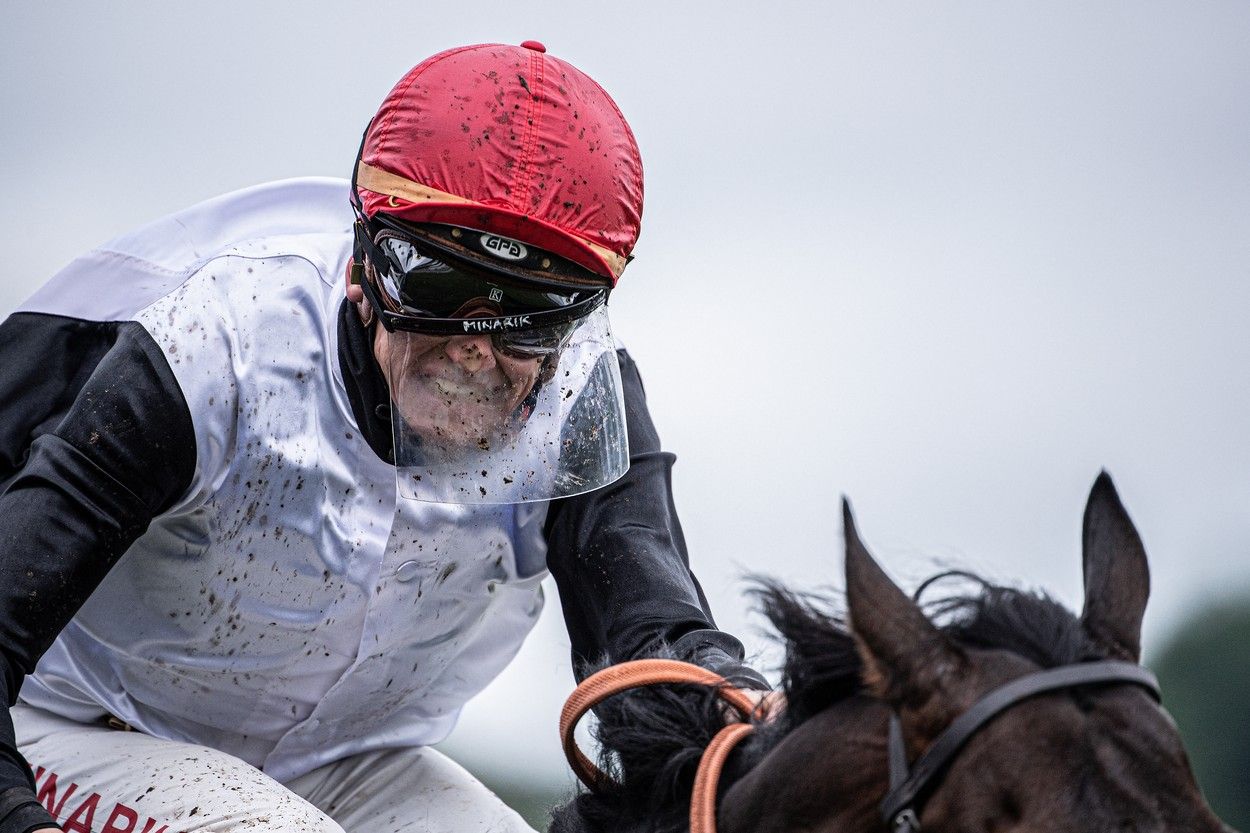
{"points": [[548, 424], [419, 292]]}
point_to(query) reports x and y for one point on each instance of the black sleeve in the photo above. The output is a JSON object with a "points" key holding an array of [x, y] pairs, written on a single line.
{"points": [[95, 440], [619, 559]]}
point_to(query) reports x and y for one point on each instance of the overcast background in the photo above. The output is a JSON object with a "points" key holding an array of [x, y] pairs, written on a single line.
{"points": [[948, 259]]}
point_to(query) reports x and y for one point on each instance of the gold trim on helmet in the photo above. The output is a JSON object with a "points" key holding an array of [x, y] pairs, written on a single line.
{"points": [[393, 185]]}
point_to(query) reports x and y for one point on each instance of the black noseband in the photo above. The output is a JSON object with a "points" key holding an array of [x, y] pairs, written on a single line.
{"points": [[899, 807]]}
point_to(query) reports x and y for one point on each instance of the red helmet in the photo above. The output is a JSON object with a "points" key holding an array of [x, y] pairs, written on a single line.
{"points": [[509, 141]]}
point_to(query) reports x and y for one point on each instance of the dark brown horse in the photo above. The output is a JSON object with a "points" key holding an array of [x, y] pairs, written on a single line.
{"points": [[1100, 757]]}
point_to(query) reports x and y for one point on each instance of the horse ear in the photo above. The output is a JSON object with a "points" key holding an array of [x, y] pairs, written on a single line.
{"points": [[1117, 577], [904, 653]]}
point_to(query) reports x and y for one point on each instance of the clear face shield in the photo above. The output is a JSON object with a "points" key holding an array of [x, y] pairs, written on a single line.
{"points": [[501, 391]]}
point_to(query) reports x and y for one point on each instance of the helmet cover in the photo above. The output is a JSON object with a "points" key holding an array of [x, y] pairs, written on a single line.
{"points": [[511, 141]]}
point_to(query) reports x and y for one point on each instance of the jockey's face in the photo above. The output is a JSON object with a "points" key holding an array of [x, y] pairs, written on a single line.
{"points": [[453, 390]]}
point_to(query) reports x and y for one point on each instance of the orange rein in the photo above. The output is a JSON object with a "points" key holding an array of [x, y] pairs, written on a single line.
{"points": [[617, 678]]}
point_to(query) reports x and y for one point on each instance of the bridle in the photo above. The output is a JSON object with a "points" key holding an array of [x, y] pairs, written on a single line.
{"points": [[908, 788]]}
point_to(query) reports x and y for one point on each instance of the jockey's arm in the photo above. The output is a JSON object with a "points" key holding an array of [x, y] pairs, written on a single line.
{"points": [[95, 439], [619, 558]]}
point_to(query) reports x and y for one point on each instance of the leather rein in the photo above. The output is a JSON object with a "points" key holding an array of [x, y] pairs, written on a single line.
{"points": [[908, 786], [617, 678]]}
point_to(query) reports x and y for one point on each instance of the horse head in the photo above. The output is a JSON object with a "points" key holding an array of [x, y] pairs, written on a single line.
{"points": [[996, 710], [1093, 757]]}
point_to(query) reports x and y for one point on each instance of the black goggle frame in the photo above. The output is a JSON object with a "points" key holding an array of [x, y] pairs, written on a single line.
{"points": [[508, 332]]}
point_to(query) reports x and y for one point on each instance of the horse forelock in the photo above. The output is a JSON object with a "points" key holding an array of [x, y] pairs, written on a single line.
{"points": [[822, 666], [1028, 623]]}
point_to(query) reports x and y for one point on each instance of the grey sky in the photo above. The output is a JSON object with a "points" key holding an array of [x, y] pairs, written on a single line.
{"points": [[949, 259]]}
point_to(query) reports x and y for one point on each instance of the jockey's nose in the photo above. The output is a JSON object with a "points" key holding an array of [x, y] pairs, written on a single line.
{"points": [[473, 354]]}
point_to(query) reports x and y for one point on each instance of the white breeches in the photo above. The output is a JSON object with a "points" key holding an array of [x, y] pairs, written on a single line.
{"points": [[98, 780]]}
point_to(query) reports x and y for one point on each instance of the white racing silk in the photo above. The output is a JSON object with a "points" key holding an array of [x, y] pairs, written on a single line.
{"points": [[288, 609]]}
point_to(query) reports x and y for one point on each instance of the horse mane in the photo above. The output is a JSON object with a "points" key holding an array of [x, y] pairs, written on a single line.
{"points": [[652, 738], [822, 666]]}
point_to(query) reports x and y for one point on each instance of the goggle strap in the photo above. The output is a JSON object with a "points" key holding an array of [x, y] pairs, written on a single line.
{"points": [[364, 248]]}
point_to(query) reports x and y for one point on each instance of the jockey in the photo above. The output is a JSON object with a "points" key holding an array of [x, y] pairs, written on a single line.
{"points": [[281, 474]]}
